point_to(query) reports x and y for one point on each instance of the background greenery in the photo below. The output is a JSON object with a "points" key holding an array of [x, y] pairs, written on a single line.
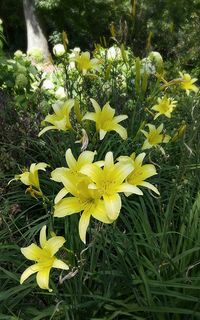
{"points": [[171, 27]]}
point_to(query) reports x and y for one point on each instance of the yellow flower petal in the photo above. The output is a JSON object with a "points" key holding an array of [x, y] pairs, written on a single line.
{"points": [[160, 128], [54, 244], [102, 133], [71, 161], [120, 118], [85, 158], [70, 182], [100, 213], [95, 105], [32, 252], [107, 112], [25, 178], [42, 278], [83, 225], [128, 188], [28, 272], [122, 170], [120, 130], [109, 162], [90, 116], [139, 159], [145, 133], [149, 186], [41, 166], [146, 145], [166, 138], [43, 238], [46, 129], [59, 173], [92, 171], [67, 206], [113, 205], [61, 194], [59, 264]]}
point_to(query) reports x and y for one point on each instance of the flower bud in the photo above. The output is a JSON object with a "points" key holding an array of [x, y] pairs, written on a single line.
{"points": [[59, 50]]}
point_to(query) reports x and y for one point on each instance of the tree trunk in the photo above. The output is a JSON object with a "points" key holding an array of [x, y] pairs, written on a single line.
{"points": [[35, 34]]}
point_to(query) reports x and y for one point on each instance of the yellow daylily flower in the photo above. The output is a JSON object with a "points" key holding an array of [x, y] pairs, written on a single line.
{"points": [[84, 63], [44, 258], [109, 182], [105, 120], [154, 136], [83, 200], [140, 172], [30, 178], [72, 172], [165, 106], [60, 118], [187, 83]]}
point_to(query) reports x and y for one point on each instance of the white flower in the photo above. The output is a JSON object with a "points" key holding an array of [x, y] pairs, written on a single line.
{"points": [[59, 50], [18, 54], [154, 55], [147, 66], [156, 58], [114, 53], [72, 56], [60, 93], [47, 85], [76, 50]]}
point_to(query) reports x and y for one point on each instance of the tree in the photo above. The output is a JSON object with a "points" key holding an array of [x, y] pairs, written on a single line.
{"points": [[35, 35]]}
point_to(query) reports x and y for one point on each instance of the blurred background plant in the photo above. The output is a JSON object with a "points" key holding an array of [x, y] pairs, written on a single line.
{"points": [[154, 25]]}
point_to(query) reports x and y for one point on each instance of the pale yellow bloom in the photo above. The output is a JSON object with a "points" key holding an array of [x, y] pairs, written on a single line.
{"points": [[83, 200], [85, 64], [45, 259], [30, 178], [72, 172], [165, 107], [187, 83], [105, 120], [60, 118], [140, 172], [109, 182], [154, 136]]}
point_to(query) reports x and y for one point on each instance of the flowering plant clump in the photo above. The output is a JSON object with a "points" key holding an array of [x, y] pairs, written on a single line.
{"points": [[103, 173]]}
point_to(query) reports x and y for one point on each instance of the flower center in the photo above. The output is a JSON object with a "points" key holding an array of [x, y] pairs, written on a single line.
{"points": [[154, 138]]}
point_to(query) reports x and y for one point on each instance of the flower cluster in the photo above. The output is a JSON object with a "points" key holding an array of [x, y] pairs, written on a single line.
{"points": [[104, 118], [94, 187]]}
